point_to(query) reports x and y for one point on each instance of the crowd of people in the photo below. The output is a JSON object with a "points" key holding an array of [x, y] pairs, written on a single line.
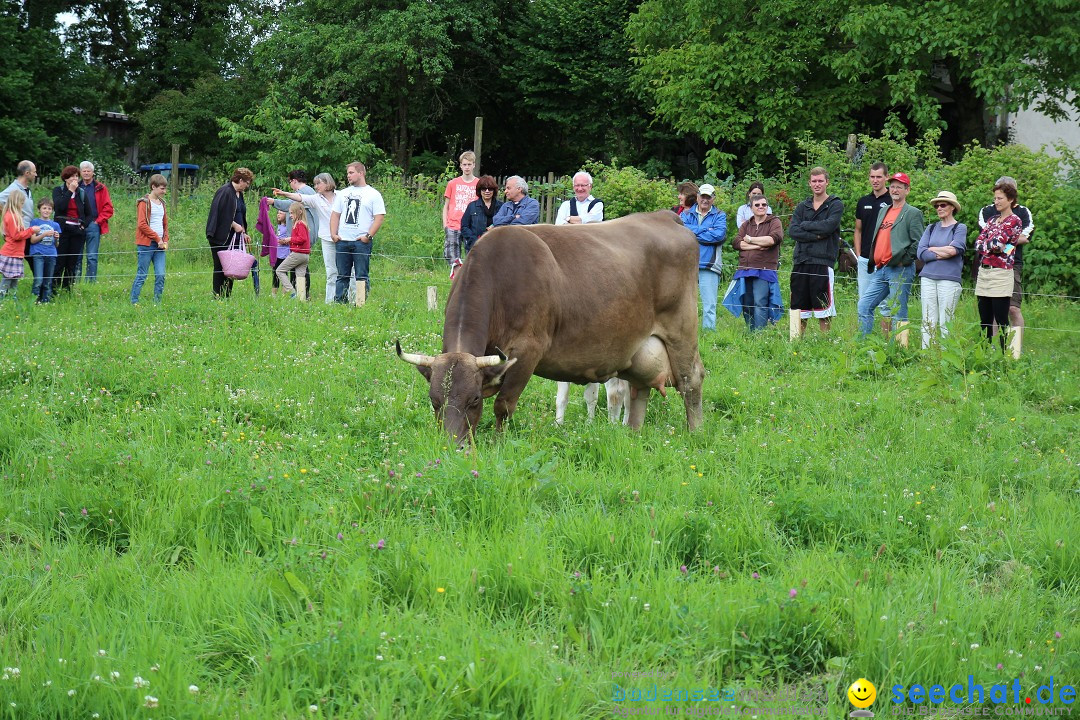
{"points": [[892, 242]]}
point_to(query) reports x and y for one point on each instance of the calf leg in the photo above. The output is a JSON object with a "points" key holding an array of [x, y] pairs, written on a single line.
{"points": [[618, 400], [562, 399], [592, 393]]}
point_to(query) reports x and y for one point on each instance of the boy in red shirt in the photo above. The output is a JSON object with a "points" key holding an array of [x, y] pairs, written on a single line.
{"points": [[459, 193]]}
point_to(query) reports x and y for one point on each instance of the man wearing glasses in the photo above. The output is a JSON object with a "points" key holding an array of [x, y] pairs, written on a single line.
{"points": [[583, 207], [519, 208]]}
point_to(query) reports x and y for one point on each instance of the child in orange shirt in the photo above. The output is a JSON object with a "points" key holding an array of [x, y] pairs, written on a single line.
{"points": [[14, 249]]}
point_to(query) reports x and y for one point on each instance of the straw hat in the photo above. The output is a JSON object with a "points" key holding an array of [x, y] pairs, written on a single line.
{"points": [[948, 197]]}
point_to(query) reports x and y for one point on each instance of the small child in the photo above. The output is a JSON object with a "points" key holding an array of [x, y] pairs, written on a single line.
{"points": [[299, 249], [151, 238], [282, 252], [14, 248], [42, 254]]}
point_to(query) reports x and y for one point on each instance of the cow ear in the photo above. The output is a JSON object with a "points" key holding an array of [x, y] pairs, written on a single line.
{"points": [[425, 371], [493, 377]]}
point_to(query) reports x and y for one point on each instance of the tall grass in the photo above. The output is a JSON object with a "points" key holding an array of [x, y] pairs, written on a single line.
{"points": [[252, 497]]}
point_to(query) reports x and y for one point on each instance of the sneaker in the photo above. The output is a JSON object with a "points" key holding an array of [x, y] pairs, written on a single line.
{"points": [[454, 266]]}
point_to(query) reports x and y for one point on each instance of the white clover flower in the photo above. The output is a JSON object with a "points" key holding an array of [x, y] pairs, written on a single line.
{"points": [[647, 607], [193, 689], [62, 661], [974, 646], [114, 675], [95, 716], [71, 693], [151, 702], [47, 683], [884, 618], [155, 667], [102, 653], [443, 658], [313, 708], [1038, 668], [963, 528], [379, 658], [97, 678], [140, 682]]}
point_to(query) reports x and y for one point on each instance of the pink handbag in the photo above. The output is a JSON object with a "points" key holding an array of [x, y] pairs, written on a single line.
{"points": [[236, 262]]}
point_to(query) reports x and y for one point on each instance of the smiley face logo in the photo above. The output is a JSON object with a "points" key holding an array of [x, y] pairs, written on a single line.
{"points": [[862, 693]]}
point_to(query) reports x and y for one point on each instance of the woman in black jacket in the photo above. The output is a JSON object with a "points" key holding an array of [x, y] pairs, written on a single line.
{"points": [[478, 215], [228, 215], [72, 212]]}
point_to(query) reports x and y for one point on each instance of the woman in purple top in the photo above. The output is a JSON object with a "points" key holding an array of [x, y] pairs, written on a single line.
{"points": [[941, 249]]}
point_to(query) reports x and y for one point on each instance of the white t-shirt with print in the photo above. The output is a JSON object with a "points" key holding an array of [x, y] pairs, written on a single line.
{"points": [[358, 207]]}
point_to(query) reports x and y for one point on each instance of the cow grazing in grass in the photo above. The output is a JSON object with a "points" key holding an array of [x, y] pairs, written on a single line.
{"points": [[571, 303]]}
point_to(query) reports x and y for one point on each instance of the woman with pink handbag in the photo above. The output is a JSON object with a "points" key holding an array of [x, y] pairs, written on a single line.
{"points": [[226, 227]]}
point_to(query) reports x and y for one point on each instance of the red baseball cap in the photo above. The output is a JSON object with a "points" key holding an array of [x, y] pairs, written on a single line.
{"points": [[902, 177]]}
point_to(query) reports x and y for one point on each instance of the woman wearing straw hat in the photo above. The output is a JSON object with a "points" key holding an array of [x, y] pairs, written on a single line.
{"points": [[941, 249]]}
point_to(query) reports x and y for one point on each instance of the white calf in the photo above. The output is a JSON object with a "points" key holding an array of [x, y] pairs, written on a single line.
{"points": [[618, 400]]}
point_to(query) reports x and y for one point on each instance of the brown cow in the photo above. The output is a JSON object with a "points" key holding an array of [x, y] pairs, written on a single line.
{"points": [[576, 303]]}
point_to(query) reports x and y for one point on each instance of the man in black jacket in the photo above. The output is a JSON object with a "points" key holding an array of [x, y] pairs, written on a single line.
{"points": [[815, 228]]}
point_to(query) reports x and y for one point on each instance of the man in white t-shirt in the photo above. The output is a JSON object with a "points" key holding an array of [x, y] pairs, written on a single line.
{"points": [[583, 207], [459, 193], [357, 214]]}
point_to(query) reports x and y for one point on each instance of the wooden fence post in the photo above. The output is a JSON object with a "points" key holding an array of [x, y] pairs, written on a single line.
{"points": [[852, 142], [478, 137], [174, 180]]}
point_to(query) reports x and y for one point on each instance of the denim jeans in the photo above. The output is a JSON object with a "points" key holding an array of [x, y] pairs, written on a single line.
{"points": [[44, 267], [147, 254], [709, 286], [93, 242], [756, 303], [864, 282], [881, 283], [353, 260]]}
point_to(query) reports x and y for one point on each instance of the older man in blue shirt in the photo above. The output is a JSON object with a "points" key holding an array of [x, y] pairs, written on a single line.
{"points": [[519, 208]]}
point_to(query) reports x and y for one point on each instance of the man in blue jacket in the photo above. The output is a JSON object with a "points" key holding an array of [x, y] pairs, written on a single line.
{"points": [[710, 227], [519, 208]]}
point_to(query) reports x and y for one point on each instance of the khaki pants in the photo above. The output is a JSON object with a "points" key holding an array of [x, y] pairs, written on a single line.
{"points": [[296, 261]]}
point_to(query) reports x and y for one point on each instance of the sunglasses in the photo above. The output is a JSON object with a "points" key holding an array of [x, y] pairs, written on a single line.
{"points": [[941, 205], [764, 205]]}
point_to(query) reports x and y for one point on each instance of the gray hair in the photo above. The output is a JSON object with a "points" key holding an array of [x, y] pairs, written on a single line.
{"points": [[86, 164], [24, 167], [520, 182], [327, 179], [1006, 180], [588, 177]]}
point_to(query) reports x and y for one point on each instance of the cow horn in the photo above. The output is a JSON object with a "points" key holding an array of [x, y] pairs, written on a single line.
{"points": [[491, 360], [421, 360]]}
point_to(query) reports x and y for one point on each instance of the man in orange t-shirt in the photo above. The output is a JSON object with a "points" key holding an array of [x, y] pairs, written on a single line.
{"points": [[459, 193], [892, 255]]}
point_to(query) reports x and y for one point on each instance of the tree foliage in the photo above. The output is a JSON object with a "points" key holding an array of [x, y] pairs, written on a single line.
{"points": [[190, 118], [276, 138], [745, 76], [44, 112]]}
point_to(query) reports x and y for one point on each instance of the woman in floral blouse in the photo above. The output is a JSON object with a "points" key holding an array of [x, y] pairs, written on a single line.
{"points": [[996, 250]]}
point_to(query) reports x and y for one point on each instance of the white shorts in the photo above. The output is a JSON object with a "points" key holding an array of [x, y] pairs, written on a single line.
{"points": [[827, 312]]}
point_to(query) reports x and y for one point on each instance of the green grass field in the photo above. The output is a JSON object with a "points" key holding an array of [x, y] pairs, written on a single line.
{"points": [[245, 509]]}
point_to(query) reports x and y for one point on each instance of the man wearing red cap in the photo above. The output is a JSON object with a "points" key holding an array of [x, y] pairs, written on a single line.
{"points": [[892, 257]]}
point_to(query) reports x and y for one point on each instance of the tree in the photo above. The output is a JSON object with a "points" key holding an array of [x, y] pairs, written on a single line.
{"points": [[570, 69], [389, 59], [45, 110], [190, 118], [276, 138], [976, 56], [747, 77]]}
